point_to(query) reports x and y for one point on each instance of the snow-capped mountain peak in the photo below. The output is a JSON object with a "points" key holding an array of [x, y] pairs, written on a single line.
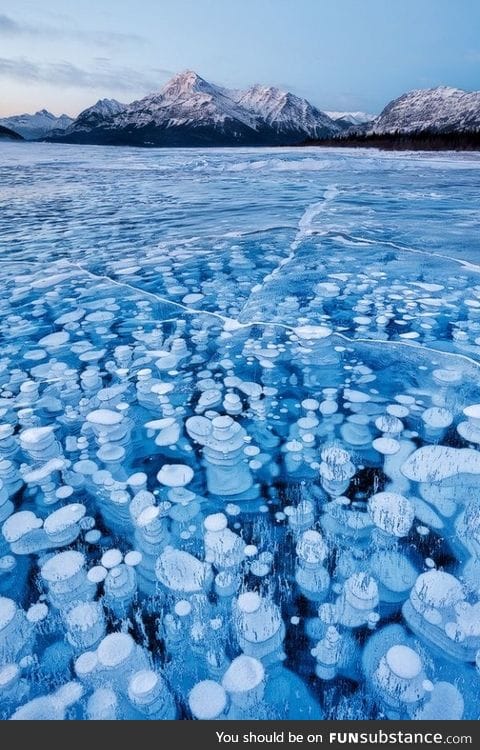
{"points": [[38, 125], [97, 114], [285, 111], [184, 83], [189, 110], [263, 100], [104, 107], [354, 118], [187, 99], [441, 109]]}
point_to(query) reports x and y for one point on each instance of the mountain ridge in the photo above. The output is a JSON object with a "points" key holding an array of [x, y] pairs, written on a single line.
{"points": [[440, 118], [38, 125], [190, 111], [440, 109], [9, 135]]}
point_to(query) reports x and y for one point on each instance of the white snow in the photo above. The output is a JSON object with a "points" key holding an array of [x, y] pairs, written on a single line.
{"points": [[189, 100], [38, 125], [86, 663], [284, 110], [103, 109], [355, 118], [441, 108]]}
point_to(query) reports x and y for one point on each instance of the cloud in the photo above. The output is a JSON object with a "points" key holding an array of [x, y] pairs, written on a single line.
{"points": [[8, 25], [103, 76], [11, 27]]}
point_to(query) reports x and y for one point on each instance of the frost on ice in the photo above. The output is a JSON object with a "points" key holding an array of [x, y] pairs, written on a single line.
{"points": [[239, 465]]}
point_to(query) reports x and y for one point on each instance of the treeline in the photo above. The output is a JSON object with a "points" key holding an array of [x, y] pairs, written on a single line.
{"points": [[425, 140]]}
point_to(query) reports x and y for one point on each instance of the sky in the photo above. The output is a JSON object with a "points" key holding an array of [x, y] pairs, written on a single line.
{"points": [[63, 55]]}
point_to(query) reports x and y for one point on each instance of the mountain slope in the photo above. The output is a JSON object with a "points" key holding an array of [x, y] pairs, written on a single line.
{"points": [[441, 109], [39, 125], [9, 135], [284, 112], [347, 119], [95, 115], [185, 100], [190, 111]]}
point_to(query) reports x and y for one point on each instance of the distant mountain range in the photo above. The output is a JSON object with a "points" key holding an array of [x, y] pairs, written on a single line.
{"points": [[350, 118], [190, 111], [35, 126]]}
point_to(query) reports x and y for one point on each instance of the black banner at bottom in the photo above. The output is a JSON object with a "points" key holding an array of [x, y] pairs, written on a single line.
{"points": [[252, 734]]}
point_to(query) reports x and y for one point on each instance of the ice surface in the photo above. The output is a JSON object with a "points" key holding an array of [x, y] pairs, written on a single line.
{"points": [[182, 572], [391, 512], [404, 662], [62, 566], [115, 648], [432, 463], [244, 673], [207, 700], [239, 438]]}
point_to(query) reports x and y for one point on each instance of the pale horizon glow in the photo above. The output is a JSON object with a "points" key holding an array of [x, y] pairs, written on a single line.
{"points": [[339, 55]]}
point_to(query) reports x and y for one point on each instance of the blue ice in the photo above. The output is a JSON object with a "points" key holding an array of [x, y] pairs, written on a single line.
{"points": [[239, 434]]}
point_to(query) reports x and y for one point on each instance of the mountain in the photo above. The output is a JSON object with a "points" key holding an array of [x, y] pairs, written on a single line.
{"points": [[441, 110], [39, 125], [95, 115], [284, 112], [437, 119], [187, 111], [347, 119], [190, 111], [9, 135]]}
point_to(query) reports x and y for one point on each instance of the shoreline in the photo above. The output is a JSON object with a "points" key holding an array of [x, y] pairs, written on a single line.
{"points": [[424, 141]]}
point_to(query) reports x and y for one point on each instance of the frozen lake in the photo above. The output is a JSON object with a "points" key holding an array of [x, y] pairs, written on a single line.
{"points": [[239, 432]]}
